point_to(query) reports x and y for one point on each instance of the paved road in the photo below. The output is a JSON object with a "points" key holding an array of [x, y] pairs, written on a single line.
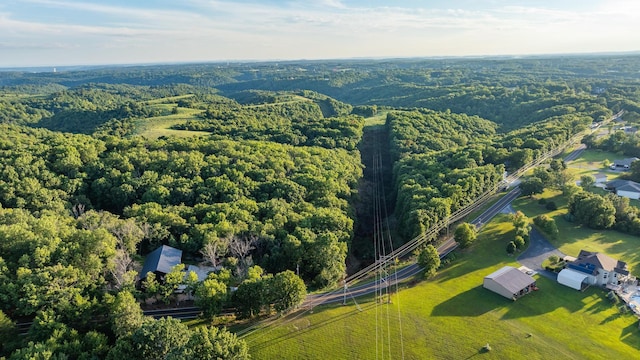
{"points": [[411, 270], [575, 153], [539, 249]]}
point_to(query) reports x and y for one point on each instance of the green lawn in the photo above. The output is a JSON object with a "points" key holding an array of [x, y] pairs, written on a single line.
{"points": [[594, 158], [377, 120], [591, 162], [169, 99], [158, 126], [452, 317], [572, 237]]}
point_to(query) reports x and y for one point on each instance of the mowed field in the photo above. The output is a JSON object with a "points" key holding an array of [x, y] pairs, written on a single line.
{"points": [[155, 127], [452, 317]]}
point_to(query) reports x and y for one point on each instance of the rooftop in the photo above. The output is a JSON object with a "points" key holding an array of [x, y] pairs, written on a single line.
{"points": [[624, 185], [601, 261], [625, 162], [161, 260], [511, 278]]}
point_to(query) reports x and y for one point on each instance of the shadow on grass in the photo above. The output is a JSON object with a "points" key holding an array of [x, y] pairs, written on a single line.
{"points": [[610, 318], [476, 257], [479, 301], [600, 306], [552, 296], [631, 335], [474, 302]]}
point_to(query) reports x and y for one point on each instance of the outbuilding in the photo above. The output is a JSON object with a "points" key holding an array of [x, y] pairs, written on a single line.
{"points": [[573, 279], [509, 282]]}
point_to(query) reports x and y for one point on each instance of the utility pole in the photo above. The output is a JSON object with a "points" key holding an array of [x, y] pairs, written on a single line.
{"points": [[344, 296]]}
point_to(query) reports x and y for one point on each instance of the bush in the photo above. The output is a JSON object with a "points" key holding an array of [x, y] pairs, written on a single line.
{"points": [[511, 247], [551, 206], [546, 225], [519, 242]]}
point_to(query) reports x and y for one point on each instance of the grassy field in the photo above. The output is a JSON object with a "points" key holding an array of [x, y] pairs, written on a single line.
{"points": [[158, 126], [572, 237], [377, 120], [591, 162], [452, 317], [593, 159]]}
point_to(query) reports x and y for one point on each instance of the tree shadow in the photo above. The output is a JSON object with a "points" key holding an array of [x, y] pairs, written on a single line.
{"points": [[610, 318], [630, 335]]}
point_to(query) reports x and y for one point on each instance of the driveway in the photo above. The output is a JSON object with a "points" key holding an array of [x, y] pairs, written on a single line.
{"points": [[539, 250]]}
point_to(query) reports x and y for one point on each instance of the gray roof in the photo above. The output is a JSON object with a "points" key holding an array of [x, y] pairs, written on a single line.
{"points": [[161, 260], [624, 185], [511, 279], [601, 261], [625, 162], [631, 186]]}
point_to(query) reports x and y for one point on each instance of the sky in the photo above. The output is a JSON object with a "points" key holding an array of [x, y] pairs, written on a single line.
{"points": [[70, 32]]}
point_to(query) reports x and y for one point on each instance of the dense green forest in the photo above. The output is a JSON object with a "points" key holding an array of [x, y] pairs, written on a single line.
{"points": [[264, 177]]}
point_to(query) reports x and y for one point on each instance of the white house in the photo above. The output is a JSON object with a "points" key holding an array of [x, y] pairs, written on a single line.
{"points": [[593, 269], [626, 188], [509, 282]]}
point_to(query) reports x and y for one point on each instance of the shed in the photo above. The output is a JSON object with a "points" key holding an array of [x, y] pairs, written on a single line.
{"points": [[509, 282], [601, 178], [573, 279], [161, 260]]}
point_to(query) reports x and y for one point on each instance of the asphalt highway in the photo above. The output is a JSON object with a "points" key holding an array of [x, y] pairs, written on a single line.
{"points": [[409, 271]]}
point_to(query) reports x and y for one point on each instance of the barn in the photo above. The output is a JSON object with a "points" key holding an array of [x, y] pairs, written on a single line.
{"points": [[509, 282]]}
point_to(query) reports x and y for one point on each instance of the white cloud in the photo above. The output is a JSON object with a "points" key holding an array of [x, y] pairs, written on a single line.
{"points": [[214, 29]]}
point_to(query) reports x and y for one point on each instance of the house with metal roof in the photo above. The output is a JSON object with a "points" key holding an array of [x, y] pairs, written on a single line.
{"points": [[623, 163], [625, 188], [509, 282], [592, 268], [160, 261]]}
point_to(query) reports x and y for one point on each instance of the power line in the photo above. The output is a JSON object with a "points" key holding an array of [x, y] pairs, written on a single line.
{"points": [[414, 243]]}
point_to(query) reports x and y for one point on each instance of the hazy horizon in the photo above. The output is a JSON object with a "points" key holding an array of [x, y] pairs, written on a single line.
{"points": [[50, 33]]}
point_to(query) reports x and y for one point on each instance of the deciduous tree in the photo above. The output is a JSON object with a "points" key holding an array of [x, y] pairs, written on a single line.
{"points": [[465, 234], [286, 290], [429, 260]]}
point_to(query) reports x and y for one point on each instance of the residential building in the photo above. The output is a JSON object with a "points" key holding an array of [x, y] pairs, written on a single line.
{"points": [[591, 268], [160, 261], [623, 163], [626, 188]]}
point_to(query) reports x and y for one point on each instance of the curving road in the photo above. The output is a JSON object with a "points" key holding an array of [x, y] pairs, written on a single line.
{"points": [[539, 249], [409, 271]]}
